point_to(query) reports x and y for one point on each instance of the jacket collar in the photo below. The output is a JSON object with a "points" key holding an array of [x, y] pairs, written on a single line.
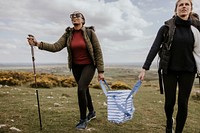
{"points": [[82, 29]]}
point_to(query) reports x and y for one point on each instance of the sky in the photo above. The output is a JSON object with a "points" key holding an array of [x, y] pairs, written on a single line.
{"points": [[126, 29]]}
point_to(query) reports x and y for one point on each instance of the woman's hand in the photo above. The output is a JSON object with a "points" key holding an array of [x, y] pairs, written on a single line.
{"points": [[100, 76], [142, 74], [32, 41]]}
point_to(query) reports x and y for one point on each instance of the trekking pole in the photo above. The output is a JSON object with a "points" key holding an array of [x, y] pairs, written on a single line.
{"points": [[34, 71]]}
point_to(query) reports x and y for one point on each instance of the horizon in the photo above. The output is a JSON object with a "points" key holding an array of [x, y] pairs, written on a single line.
{"points": [[7, 66]]}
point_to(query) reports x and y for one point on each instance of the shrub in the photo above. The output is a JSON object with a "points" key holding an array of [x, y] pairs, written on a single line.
{"points": [[44, 80], [196, 95], [13, 78], [96, 86], [69, 82], [42, 83], [9, 81], [120, 85]]}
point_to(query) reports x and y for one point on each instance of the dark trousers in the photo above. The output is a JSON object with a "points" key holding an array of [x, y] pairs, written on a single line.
{"points": [[184, 80], [83, 75]]}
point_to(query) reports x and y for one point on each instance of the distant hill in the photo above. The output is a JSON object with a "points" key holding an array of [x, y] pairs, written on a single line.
{"points": [[6, 66]]}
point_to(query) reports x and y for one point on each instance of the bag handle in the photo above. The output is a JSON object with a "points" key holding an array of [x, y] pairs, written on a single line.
{"points": [[135, 89], [103, 86]]}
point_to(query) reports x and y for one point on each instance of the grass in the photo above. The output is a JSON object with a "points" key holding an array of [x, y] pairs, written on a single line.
{"points": [[18, 108]]}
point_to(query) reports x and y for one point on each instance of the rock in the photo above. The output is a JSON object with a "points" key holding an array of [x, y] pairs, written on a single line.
{"points": [[3, 125], [90, 129], [4, 128], [57, 105], [198, 93], [15, 129], [6, 86], [49, 97], [65, 95]]}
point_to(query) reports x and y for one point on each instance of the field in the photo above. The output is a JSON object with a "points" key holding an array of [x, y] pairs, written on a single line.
{"points": [[59, 107]]}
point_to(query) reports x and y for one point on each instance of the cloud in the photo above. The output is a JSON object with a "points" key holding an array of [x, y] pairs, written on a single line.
{"points": [[124, 28]]}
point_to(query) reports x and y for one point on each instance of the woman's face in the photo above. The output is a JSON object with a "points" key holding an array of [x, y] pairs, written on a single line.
{"points": [[184, 9], [76, 19]]}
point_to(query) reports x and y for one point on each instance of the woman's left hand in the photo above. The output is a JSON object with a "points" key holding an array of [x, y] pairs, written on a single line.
{"points": [[100, 76]]}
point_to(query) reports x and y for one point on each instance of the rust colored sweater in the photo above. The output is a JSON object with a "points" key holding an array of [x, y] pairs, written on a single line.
{"points": [[78, 46]]}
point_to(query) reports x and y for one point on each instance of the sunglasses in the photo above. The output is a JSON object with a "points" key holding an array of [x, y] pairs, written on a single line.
{"points": [[76, 15]]}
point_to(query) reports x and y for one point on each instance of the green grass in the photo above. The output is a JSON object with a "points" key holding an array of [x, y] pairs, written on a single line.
{"points": [[18, 108]]}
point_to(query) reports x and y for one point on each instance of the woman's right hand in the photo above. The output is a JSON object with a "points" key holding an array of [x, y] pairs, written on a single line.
{"points": [[142, 74], [32, 41]]}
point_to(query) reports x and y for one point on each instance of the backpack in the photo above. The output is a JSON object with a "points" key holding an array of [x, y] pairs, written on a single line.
{"points": [[164, 52], [169, 32]]}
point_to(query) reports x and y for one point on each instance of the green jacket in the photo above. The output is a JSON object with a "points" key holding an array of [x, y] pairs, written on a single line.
{"points": [[92, 43]]}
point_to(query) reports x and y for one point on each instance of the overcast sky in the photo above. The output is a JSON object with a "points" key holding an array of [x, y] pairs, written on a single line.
{"points": [[125, 28]]}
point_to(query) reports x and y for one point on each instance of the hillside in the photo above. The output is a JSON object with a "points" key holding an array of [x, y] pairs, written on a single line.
{"points": [[59, 107]]}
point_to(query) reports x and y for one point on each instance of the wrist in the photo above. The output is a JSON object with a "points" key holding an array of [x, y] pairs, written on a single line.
{"points": [[100, 72], [37, 44]]}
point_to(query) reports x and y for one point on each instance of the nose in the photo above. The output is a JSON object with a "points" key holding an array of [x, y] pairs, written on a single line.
{"points": [[74, 18]]}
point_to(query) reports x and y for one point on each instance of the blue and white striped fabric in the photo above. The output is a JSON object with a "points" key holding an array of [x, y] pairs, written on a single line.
{"points": [[119, 109], [120, 103]]}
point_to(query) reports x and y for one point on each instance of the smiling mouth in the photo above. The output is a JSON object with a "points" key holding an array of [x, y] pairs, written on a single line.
{"points": [[75, 24], [184, 10]]}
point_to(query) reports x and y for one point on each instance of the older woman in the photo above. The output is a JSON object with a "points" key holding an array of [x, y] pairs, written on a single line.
{"points": [[179, 61], [84, 56]]}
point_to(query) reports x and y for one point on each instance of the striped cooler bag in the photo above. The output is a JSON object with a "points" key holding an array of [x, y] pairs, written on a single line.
{"points": [[120, 105]]}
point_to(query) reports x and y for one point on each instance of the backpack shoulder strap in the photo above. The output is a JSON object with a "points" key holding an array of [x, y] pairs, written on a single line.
{"points": [[166, 34], [171, 30], [196, 23], [90, 28], [68, 29], [89, 31], [67, 32]]}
